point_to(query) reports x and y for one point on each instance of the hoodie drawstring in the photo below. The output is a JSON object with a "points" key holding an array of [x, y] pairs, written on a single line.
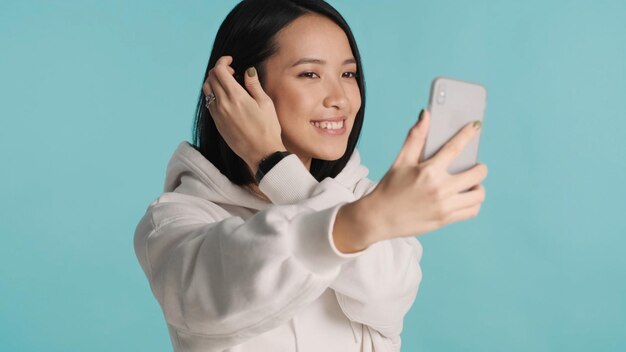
{"points": [[295, 333]]}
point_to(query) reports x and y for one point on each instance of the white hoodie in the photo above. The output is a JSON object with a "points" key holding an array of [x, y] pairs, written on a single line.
{"points": [[233, 272]]}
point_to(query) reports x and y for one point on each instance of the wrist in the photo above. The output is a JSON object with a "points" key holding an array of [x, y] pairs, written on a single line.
{"points": [[267, 163], [253, 162], [367, 219], [352, 230]]}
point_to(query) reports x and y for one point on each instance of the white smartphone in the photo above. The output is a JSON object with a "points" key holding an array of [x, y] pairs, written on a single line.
{"points": [[453, 104]]}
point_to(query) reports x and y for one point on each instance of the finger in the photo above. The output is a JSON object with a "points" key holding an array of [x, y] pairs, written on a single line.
{"points": [[414, 143], [226, 79], [217, 88], [466, 179], [455, 145], [475, 195], [226, 61], [253, 85], [206, 88], [463, 214]]}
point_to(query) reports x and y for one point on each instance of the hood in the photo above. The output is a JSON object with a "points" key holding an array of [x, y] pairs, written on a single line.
{"points": [[189, 172]]}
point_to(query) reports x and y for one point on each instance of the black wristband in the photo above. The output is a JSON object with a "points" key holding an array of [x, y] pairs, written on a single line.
{"points": [[268, 163]]}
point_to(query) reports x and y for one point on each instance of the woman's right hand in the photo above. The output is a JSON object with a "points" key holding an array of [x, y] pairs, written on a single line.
{"points": [[415, 197], [245, 117]]}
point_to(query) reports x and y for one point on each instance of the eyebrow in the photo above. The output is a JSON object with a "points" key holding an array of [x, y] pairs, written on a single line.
{"points": [[308, 60]]}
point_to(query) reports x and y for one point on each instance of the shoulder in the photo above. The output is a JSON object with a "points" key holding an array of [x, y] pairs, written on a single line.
{"points": [[171, 206]]}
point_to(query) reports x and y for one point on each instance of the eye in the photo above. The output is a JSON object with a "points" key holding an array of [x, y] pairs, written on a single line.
{"points": [[310, 74], [307, 74]]}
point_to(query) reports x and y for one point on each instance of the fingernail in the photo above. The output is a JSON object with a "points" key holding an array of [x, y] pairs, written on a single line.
{"points": [[251, 71], [419, 118], [477, 124]]}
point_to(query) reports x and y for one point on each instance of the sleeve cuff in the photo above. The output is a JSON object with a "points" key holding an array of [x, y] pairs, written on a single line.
{"points": [[313, 242], [288, 181]]}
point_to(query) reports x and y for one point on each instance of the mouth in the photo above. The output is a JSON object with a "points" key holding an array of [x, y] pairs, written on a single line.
{"points": [[330, 126]]}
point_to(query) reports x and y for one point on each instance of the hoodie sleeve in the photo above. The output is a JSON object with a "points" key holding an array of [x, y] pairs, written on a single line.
{"points": [[226, 280], [289, 181], [377, 288]]}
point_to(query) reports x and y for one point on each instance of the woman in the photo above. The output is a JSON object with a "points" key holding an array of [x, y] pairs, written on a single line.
{"points": [[269, 236]]}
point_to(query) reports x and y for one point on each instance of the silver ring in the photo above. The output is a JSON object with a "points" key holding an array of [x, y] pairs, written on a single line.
{"points": [[209, 99]]}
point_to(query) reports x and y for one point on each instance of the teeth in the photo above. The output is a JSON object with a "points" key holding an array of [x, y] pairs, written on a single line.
{"points": [[328, 125]]}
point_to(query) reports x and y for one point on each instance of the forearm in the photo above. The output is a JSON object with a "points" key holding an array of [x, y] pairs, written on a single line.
{"points": [[379, 287], [354, 228]]}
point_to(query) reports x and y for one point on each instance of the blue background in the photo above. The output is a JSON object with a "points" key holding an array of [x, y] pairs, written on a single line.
{"points": [[96, 95]]}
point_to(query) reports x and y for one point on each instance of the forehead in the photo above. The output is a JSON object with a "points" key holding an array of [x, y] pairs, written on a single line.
{"points": [[312, 36]]}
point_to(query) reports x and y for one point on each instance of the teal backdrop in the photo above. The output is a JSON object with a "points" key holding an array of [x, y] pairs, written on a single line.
{"points": [[96, 95]]}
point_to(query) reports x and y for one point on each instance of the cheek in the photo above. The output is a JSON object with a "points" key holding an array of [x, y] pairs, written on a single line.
{"points": [[355, 100], [294, 105]]}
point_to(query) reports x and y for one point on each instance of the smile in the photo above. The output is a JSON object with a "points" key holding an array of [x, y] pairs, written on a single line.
{"points": [[330, 128]]}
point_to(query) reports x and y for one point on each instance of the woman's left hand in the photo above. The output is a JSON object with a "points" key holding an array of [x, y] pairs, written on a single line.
{"points": [[247, 121]]}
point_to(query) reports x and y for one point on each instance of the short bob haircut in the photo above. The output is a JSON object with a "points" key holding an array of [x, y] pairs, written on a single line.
{"points": [[248, 35]]}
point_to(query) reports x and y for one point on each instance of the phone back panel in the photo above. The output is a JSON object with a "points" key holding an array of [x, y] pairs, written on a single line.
{"points": [[453, 104]]}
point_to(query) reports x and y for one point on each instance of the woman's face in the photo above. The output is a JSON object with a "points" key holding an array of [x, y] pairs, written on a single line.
{"points": [[311, 78]]}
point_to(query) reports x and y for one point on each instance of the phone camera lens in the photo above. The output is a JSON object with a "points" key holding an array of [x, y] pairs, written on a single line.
{"points": [[441, 97]]}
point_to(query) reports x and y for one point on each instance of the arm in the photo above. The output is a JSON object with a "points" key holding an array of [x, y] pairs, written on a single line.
{"points": [[378, 287], [226, 279]]}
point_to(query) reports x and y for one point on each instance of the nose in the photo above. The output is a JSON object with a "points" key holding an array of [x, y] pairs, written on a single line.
{"points": [[335, 95]]}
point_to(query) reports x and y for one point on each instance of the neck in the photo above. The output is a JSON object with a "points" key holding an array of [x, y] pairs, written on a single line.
{"points": [[257, 192], [306, 162]]}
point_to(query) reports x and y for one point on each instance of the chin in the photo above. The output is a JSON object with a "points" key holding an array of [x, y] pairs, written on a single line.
{"points": [[330, 155]]}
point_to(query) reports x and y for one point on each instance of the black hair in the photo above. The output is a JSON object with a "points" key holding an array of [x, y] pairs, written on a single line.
{"points": [[248, 35]]}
